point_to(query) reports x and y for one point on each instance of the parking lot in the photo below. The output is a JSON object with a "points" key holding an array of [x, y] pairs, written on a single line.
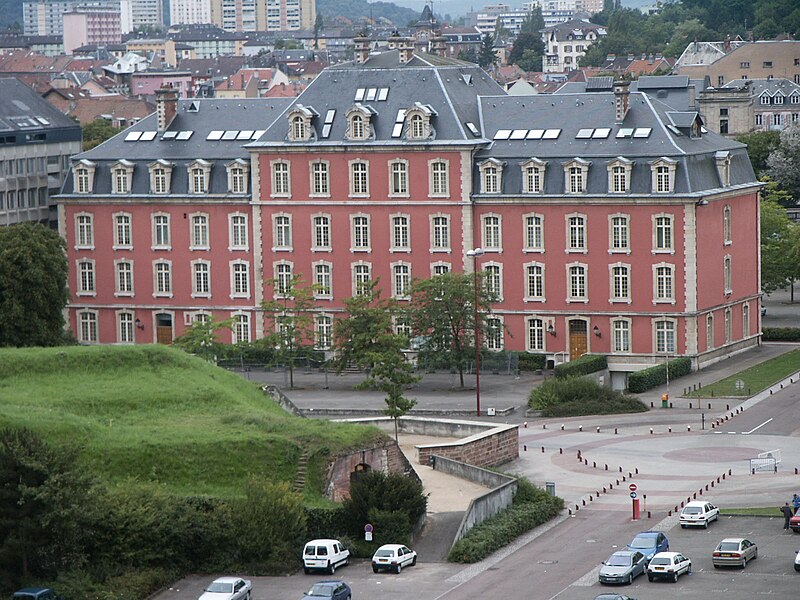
{"points": [[771, 575]]}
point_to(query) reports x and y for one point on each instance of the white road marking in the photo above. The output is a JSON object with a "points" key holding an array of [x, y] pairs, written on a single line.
{"points": [[757, 428]]}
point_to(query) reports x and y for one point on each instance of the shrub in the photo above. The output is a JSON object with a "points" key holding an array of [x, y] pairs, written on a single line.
{"points": [[323, 523], [531, 508], [588, 363], [580, 396], [391, 526], [647, 379], [781, 334], [531, 362]]}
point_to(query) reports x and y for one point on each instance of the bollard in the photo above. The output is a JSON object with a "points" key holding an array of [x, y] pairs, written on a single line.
{"points": [[604, 489], [670, 404], [651, 431], [525, 425], [623, 478], [561, 451], [795, 470], [701, 491], [610, 486], [579, 454], [524, 447], [543, 426], [606, 467], [730, 472], [727, 407], [598, 430], [723, 475], [570, 512], [669, 514], [580, 427], [594, 465], [583, 502], [636, 470], [689, 428], [630, 475], [651, 404], [690, 405], [713, 425], [617, 481], [712, 484], [562, 428], [620, 469], [586, 462], [669, 429], [675, 509], [752, 471], [694, 496], [681, 504], [709, 406], [542, 449], [616, 431], [590, 498], [577, 508], [648, 514]]}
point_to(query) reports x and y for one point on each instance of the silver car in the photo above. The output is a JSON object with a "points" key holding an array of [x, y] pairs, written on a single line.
{"points": [[734, 552], [623, 567]]}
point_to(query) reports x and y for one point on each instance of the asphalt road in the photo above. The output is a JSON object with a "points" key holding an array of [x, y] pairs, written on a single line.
{"points": [[776, 415]]}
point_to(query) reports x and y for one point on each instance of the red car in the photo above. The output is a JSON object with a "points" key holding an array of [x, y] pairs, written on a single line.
{"points": [[794, 522]]}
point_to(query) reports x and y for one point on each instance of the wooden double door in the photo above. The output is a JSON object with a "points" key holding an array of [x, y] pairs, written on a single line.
{"points": [[578, 338]]}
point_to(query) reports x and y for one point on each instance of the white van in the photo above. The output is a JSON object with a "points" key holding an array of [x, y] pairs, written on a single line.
{"points": [[324, 555]]}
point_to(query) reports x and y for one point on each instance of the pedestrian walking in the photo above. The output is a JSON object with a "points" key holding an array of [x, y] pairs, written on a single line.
{"points": [[796, 502], [788, 513]]}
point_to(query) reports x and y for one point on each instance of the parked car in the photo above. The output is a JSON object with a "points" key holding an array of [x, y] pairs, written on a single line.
{"points": [[333, 589], [794, 522], [649, 543], [228, 588], [613, 597], [698, 513], [393, 557], [797, 561], [324, 555], [734, 552], [35, 594], [668, 565], [623, 567]]}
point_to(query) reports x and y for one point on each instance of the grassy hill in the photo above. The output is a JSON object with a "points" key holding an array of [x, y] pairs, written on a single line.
{"points": [[152, 414]]}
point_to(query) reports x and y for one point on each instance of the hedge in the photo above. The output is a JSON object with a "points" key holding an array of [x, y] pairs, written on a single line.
{"points": [[531, 362], [588, 363], [647, 379], [531, 507], [781, 334], [578, 396]]}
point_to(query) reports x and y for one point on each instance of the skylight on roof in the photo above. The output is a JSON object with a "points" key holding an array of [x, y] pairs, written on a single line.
{"points": [[230, 135], [133, 136], [397, 130], [43, 121], [502, 134], [584, 134], [473, 130], [601, 133], [184, 135], [401, 115], [383, 94], [625, 132], [519, 134], [329, 116], [359, 94], [326, 130], [535, 134], [213, 136], [642, 132], [245, 134], [148, 136], [371, 93], [170, 135], [551, 134], [257, 134]]}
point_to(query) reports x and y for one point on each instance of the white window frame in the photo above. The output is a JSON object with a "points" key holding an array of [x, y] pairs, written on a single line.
{"points": [[199, 230], [727, 274], [726, 225], [276, 228], [240, 328], [399, 180], [656, 248], [121, 177], [492, 233], [613, 297], [541, 337], [320, 291], [494, 340], [201, 185], [619, 175], [167, 291], [663, 299], [118, 288], [356, 277], [531, 231], [123, 231], [362, 189], [728, 325], [710, 331], [320, 178], [401, 292], [280, 182], [156, 227], [491, 173], [576, 177], [436, 178], [283, 280], [394, 229], [88, 326], [621, 337], [86, 279], [360, 233], [662, 175], [243, 228], [197, 291], [656, 331], [579, 243], [577, 298], [84, 231], [238, 176], [236, 267], [745, 320], [323, 331], [493, 279], [321, 232], [126, 324], [617, 245], [440, 233], [440, 268], [533, 176], [529, 273]]}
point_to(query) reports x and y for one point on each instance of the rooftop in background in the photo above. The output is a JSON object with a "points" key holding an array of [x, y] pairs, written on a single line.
{"points": [[21, 109]]}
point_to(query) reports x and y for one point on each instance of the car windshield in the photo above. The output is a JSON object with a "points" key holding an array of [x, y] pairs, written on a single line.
{"points": [[311, 550], [321, 589], [643, 542], [692, 510], [618, 561], [384, 552], [220, 588], [728, 546], [661, 560]]}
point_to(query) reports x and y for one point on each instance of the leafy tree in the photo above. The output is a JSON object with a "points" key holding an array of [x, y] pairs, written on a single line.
{"points": [[784, 161], [97, 132], [487, 58], [377, 490], [529, 38], [43, 493], [319, 24], [201, 338], [780, 241], [442, 314], [292, 315], [530, 61], [760, 144], [33, 286], [468, 55]]}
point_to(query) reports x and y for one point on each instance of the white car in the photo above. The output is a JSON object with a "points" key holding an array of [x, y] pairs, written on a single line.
{"points": [[393, 557], [698, 513], [668, 565], [228, 588], [324, 555], [797, 561]]}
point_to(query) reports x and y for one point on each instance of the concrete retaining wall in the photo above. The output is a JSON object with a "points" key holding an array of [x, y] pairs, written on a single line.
{"points": [[282, 400]]}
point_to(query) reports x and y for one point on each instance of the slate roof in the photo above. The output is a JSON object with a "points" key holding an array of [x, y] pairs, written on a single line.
{"points": [[771, 86], [212, 114], [669, 89], [451, 89], [696, 172], [21, 108]]}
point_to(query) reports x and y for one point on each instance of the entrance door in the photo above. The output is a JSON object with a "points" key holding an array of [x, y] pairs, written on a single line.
{"points": [[164, 328], [578, 340]]}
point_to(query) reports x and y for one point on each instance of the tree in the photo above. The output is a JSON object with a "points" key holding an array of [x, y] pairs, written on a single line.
{"points": [[760, 144], [292, 315], [780, 241], [487, 58], [97, 132], [201, 338], [784, 162], [468, 55], [442, 314], [33, 286], [319, 24]]}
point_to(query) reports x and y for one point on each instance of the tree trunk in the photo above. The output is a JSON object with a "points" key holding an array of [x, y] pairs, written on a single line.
{"points": [[461, 375], [396, 437]]}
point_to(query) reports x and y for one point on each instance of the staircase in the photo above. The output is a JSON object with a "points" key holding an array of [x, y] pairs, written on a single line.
{"points": [[300, 476]]}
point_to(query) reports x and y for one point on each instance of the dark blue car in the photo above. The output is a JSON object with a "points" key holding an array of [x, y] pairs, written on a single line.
{"points": [[35, 594], [649, 543], [329, 590]]}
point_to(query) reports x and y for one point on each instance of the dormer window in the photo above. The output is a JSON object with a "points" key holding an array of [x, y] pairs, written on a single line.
{"points": [[357, 127], [238, 174], [160, 176], [723, 160], [199, 176], [358, 122], [300, 117], [491, 176], [83, 174], [576, 176], [533, 176], [662, 175], [418, 120], [121, 176], [619, 175]]}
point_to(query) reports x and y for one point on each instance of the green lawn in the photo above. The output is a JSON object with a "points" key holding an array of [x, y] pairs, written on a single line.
{"points": [[755, 378], [766, 511], [151, 414]]}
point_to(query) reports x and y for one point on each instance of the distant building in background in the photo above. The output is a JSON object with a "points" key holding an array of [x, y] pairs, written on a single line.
{"points": [[566, 43], [141, 13], [209, 41], [46, 17], [91, 26], [37, 141], [263, 15], [189, 12]]}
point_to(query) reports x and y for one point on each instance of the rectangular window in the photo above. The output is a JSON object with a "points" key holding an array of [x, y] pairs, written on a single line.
{"points": [[709, 332], [493, 278], [533, 180], [576, 239], [576, 184], [322, 280], [125, 325], [619, 234], [124, 278], [745, 320], [494, 334], [120, 181], [122, 231], [86, 277], [283, 276], [535, 334], [359, 178], [664, 284], [84, 234], [163, 276], [360, 231], [441, 233], [241, 329], [619, 179], [283, 232], [726, 225], [577, 282], [159, 181], [491, 180], [323, 332], [491, 233], [280, 179], [87, 327], [620, 283], [320, 182], [663, 233], [534, 232], [440, 269], [622, 336], [663, 183], [727, 274], [402, 280], [439, 184], [238, 232], [238, 181], [201, 279], [199, 232], [665, 337], [399, 178], [400, 233], [161, 237], [535, 282], [322, 233], [361, 278], [240, 274], [199, 181]]}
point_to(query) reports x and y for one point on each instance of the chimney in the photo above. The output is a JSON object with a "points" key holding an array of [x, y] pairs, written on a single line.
{"points": [[393, 41], [166, 106], [361, 48], [692, 93], [439, 45], [727, 45], [621, 100], [406, 47]]}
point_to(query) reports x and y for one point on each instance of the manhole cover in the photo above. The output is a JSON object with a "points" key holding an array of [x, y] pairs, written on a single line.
{"points": [[548, 562], [739, 384]]}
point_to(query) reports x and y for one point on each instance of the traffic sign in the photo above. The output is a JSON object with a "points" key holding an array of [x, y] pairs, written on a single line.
{"points": [[633, 495], [368, 528], [632, 487]]}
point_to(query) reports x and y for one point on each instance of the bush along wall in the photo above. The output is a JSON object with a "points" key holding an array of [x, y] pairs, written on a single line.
{"points": [[531, 362], [531, 507], [781, 334], [647, 379], [577, 396], [586, 364]]}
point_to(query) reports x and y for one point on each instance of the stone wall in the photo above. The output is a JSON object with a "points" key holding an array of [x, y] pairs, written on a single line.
{"points": [[490, 448]]}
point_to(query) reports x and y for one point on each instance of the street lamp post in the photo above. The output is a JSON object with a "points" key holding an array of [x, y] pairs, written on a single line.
{"points": [[474, 254]]}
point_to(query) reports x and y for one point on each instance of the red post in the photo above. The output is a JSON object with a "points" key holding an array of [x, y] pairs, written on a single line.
{"points": [[636, 511]]}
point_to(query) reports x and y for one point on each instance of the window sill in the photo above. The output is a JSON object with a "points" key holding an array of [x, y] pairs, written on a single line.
{"points": [[124, 248], [161, 248], [77, 248], [201, 294], [123, 294], [162, 295], [440, 250], [533, 250], [619, 251], [577, 300], [361, 250], [576, 251], [619, 300], [664, 302], [86, 294], [400, 250], [539, 300], [283, 249], [662, 251], [239, 249], [199, 248]]}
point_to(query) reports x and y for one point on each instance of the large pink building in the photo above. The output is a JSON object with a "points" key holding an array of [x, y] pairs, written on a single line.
{"points": [[609, 222]]}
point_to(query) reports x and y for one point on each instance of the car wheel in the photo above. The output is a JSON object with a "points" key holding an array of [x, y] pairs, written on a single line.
{"points": [[755, 554], [649, 577], [413, 561], [306, 570], [744, 562], [716, 566], [705, 524], [374, 569], [347, 562], [331, 568], [683, 525], [398, 568], [630, 579]]}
